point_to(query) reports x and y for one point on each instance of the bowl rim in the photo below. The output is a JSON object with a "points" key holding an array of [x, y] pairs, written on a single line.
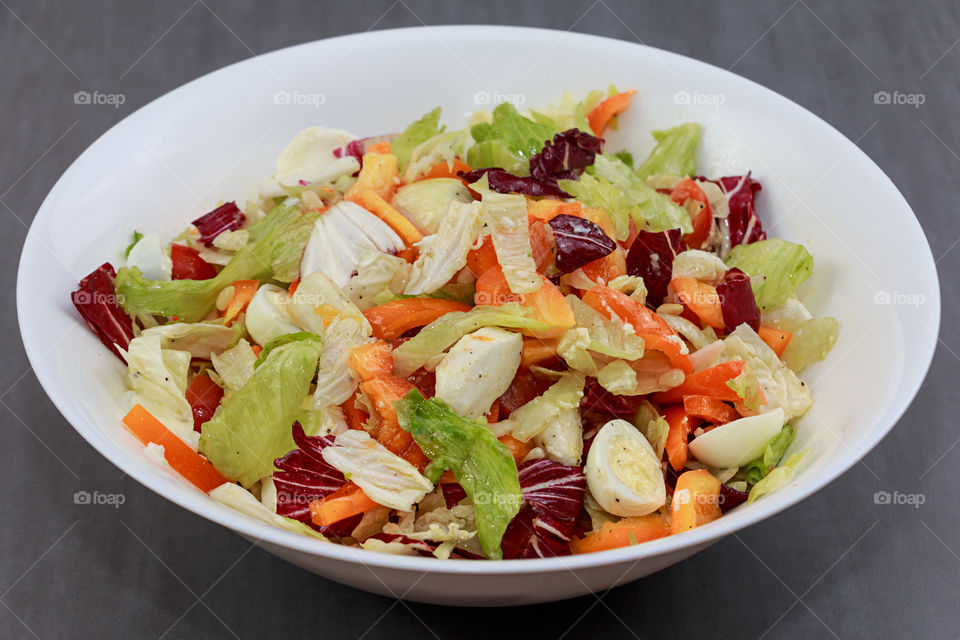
{"points": [[187, 498]]}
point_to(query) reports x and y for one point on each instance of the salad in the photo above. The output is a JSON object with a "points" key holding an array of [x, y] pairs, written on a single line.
{"points": [[504, 341]]}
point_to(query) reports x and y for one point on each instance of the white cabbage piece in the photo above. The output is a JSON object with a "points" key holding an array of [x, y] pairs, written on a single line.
{"points": [[268, 314], [788, 315], [335, 377], [562, 439], [505, 216], [443, 147], [384, 476], [339, 238], [478, 369], [318, 301], [309, 157], [234, 366], [375, 271], [232, 240], [426, 202], [149, 255], [701, 265], [444, 254], [157, 378], [199, 339], [699, 338], [780, 385], [239, 499], [633, 286]]}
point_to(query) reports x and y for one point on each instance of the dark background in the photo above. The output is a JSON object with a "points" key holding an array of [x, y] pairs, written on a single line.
{"points": [[837, 565]]}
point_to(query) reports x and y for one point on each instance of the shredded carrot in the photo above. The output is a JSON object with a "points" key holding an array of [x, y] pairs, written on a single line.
{"points": [[347, 501], [378, 206], [257, 350], [181, 458], [243, 292], [600, 116], [292, 289]]}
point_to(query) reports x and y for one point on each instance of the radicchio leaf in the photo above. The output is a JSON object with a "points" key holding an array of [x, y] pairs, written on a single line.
{"points": [[596, 399], [743, 224], [357, 148], [651, 257], [226, 217], [737, 301], [453, 493], [304, 476], [578, 242], [96, 300], [552, 502], [564, 158], [423, 547]]}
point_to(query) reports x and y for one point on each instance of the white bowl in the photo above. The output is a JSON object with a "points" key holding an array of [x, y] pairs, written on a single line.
{"points": [[216, 137]]}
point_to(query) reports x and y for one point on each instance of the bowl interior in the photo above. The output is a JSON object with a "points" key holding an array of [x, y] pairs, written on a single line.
{"points": [[215, 138]]}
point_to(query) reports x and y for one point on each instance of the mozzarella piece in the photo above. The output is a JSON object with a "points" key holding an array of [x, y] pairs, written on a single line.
{"points": [[340, 239], [267, 316], [736, 443], [148, 256], [478, 369], [623, 472], [562, 440]]}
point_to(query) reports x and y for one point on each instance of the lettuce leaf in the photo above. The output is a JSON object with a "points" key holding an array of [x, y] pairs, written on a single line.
{"points": [[675, 153], [251, 427], [273, 253], [757, 469], [234, 366], [532, 418], [783, 265], [442, 333], [657, 210], [417, 133], [482, 465], [778, 477], [505, 217], [519, 135], [494, 153], [444, 254], [199, 339], [811, 342]]}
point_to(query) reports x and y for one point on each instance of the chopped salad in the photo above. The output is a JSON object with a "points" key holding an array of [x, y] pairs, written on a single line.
{"points": [[503, 341]]}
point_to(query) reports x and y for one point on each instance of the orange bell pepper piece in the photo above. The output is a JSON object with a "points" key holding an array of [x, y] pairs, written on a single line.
{"points": [[696, 501], [547, 302], [345, 502], [710, 409], [243, 292], [613, 535], [393, 319], [680, 426], [776, 339], [701, 298], [600, 116]]}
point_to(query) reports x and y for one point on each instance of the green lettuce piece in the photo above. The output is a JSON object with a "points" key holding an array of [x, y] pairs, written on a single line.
{"points": [[273, 253], [757, 470], [521, 136], [811, 342], [443, 333], [778, 477], [281, 340], [783, 265], [417, 133], [675, 153], [625, 157], [748, 388], [532, 418], [483, 466], [494, 153], [251, 428]]}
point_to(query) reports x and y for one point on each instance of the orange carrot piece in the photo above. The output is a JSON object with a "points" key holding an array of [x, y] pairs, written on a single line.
{"points": [[654, 330], [709, 382], [393, 319], [347, 501], [696, 501], [600, 116], [701, 298], [680, 427], [710, 409], [181, 458], [776, 339], [626, 532], [547, 302], [378, 206], [243, 292], [537, 350]]}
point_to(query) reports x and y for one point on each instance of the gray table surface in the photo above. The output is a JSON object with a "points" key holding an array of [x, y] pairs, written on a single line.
{"points": [[836, 565]]}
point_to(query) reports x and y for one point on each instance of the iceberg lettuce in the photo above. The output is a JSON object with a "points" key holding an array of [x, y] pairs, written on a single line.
{"points": [[675, 153], [776, 268]]}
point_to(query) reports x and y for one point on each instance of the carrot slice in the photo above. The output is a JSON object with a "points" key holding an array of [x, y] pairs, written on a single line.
{"points": [[537, 350], [680, 426], [710, 409], [181, 458], [547, 302], [654, 330], [776, 339], [600, 116], [393, 319], [696, 501], [701, 298], [626, 532], [347, 501], [373, 202], [709, 382], [243, 292]]}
